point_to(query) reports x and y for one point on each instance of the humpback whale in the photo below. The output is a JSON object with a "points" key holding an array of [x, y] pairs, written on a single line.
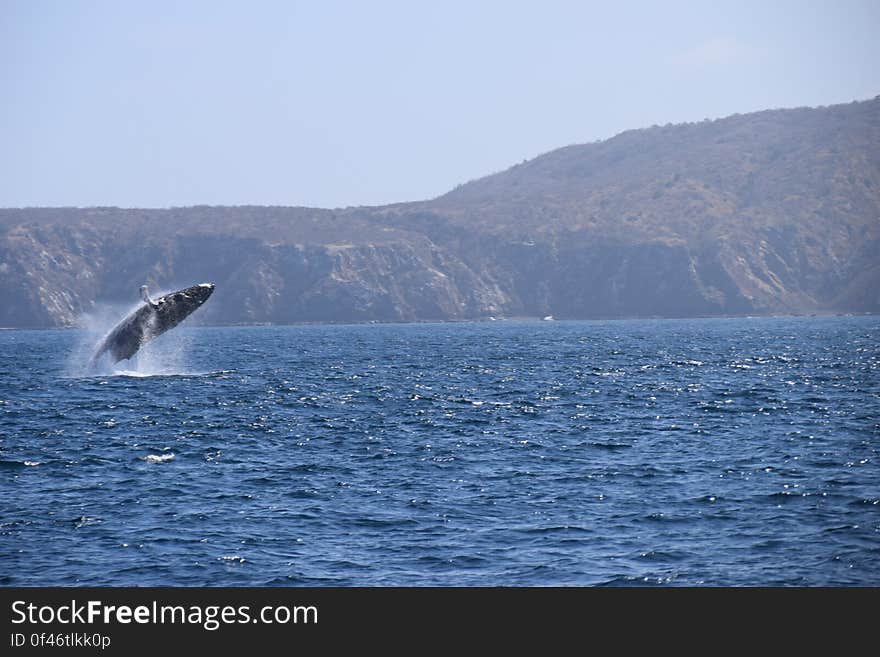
{"points": [[151, 320]]}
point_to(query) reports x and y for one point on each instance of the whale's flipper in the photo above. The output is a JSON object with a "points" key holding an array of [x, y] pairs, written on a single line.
{"points": [[145, 295]]}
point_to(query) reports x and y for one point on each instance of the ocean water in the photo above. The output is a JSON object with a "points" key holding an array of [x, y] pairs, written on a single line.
{"points": [[691, 452]]}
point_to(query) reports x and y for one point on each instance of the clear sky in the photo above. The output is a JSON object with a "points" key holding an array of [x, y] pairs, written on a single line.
{"points": [[331, 104]]}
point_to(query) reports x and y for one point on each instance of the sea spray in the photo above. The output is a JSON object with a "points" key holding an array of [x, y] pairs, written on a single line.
{"points": [[162, 356]]}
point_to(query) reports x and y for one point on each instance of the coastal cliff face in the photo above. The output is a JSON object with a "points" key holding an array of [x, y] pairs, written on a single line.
{"points": [[774, 212]]}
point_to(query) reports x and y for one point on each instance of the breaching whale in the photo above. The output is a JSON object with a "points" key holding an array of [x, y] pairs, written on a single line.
{"points": [[151, 320]]}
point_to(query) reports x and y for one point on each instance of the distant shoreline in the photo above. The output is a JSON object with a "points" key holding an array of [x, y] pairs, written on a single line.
{"points": [[482, 320]]}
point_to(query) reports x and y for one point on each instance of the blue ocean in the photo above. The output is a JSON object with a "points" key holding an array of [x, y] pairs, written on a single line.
{"points": [[513, 453]]}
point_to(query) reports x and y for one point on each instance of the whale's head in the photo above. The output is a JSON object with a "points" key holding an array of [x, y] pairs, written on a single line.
{"points": [[187, 300], [201, 292]]}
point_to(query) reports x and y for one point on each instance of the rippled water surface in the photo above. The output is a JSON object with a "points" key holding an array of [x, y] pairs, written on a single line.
{"points": [[718, 452]]}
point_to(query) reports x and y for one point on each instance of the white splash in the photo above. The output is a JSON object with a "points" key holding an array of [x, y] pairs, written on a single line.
{"points": [[163, 356], [158, 458]]}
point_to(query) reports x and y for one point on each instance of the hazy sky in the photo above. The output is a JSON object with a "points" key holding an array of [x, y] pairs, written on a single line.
{"points": [[330, 104]]}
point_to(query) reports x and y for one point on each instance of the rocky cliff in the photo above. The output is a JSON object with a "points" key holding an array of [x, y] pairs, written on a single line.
{"points": [[773, 212]]}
